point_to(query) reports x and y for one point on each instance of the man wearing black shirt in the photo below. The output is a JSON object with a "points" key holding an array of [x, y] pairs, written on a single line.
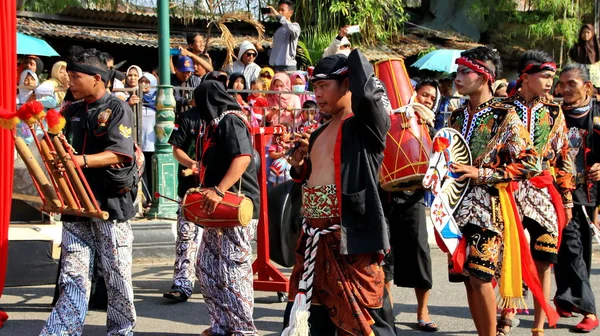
{"points": [[582, 115], [225, 269], [186, 150], [99, 128]]}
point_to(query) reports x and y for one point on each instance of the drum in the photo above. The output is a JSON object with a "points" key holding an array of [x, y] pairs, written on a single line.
{"points": [[406, 154], [392, 73], [234, 210]]}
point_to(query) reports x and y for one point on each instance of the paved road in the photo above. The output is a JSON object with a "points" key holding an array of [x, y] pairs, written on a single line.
{"points": [[28, 307]]}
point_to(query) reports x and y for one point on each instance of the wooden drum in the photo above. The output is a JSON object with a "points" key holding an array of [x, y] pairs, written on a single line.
{"points": [[234, 210], [394, 77]]}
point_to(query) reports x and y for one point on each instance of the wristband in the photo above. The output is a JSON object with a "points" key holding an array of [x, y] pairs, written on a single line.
{"points": [[219, 192], [85, 161]]}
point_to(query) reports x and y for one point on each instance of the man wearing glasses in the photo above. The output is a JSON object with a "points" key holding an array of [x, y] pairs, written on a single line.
{"points": [[245, 62]]}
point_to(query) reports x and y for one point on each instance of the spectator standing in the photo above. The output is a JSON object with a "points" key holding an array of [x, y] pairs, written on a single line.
{"points": [[587, 51], [58, 82], [285, 39], [339, 45], [148, 84], [133, 76], [284, 105], [195, 49], [245, 62], [184, 69]]}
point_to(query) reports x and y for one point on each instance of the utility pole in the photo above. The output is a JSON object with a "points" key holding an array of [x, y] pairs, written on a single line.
{"points": [[164, 167]]}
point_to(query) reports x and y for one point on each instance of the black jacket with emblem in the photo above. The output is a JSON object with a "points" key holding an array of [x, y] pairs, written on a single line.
{"points": [[104, 125], [363, 138]]}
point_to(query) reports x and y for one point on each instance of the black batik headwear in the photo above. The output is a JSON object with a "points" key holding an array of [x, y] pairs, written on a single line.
{"points": [[331, 67], [88, 70], [212, 100]]}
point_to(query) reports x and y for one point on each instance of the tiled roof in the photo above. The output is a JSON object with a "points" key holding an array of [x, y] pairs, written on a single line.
{"points": [[41, 28]]}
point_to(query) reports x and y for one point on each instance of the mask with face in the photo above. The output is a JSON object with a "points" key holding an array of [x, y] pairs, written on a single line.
{"points": [[298, 88]]}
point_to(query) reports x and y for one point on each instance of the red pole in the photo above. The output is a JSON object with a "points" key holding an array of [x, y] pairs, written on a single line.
{"points": [[269, 278], [8, 81]]}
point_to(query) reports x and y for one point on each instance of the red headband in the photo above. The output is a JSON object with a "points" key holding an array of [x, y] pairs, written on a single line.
{"points": [[477, 66], [537, 67], [531, 69]]}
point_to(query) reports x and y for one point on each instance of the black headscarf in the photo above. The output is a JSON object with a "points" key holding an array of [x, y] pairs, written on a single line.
{"points": [[586, 52], [212, 100], [232, 78], [217, 76]]}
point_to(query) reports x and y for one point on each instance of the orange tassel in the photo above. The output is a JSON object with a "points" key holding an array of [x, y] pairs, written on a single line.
{"points": [[56, 121], [8, 119]]}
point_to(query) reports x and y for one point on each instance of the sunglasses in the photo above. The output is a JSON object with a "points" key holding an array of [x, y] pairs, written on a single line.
{"points": [[265, 75], [251, 54]]}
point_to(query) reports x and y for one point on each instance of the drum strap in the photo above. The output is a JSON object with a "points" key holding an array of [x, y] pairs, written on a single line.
{"points": [[300, 310]]}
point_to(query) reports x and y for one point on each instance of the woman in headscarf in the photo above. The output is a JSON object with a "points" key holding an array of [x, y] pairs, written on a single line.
{"points": [[58, 82], [237, 81], [133, 75], [29, 91], [266, 75], [284, 105], [148, 84], [224, 269], [299, 86], [587, 51]]}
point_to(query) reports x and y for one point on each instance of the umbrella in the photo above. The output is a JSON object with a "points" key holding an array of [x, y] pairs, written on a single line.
{"points": [[439, 60], [29, 45]]}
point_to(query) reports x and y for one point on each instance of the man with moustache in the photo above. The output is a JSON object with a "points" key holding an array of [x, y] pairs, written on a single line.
{"points": [[572, 272]]}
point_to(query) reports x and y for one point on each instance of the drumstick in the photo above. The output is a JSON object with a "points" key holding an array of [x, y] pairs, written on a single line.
{"points": [[158, 195]]}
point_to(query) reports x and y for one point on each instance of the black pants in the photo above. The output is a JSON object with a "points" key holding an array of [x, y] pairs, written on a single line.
{"points": [[410, 247], [572, 271], [321, 324]]}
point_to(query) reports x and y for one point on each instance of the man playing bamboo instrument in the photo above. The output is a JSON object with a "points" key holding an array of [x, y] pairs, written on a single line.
{"points": [[337, 281], [99, 128]]}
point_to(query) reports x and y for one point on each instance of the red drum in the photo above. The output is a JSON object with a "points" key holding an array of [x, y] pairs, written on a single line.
{"points": [[234, 210], [394, 77], [406, 155]]}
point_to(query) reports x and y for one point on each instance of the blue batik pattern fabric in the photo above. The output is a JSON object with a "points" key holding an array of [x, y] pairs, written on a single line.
{"points": [[112, 241], [224, 271]]}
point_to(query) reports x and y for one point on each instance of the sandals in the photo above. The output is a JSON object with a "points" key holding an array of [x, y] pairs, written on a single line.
{"points": [[427, 326], [176, 294], [503, 323]]}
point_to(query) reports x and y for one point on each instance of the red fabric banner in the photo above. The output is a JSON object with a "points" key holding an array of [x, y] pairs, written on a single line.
{"points": [[8, 66]]}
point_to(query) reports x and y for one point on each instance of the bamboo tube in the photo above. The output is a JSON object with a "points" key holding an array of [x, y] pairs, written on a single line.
{"points": [[37, 174], [103, 215], [61, 182], [73, 176]]}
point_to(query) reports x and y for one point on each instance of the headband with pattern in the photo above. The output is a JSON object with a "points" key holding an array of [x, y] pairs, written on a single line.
{"points": [[477, 66]]}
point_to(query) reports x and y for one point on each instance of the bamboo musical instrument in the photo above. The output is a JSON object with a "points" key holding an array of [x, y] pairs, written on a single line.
{"points": [[67, 162], [37, 174], [60, 179], [65, 190]]}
